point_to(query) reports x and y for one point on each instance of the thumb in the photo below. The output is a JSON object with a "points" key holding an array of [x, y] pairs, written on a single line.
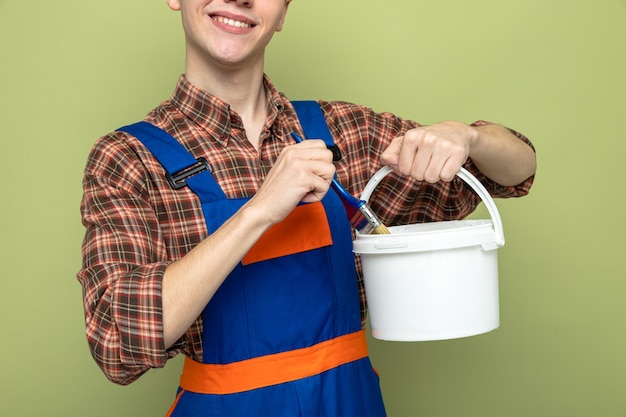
{"points": [[391, 155]]}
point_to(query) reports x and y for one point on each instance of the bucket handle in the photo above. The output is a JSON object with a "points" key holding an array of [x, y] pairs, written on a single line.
{"points": [[465, 176]]}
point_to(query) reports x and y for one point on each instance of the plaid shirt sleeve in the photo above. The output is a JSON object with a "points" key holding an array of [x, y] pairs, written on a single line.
{"points": [[364, 134], [123, 263]]}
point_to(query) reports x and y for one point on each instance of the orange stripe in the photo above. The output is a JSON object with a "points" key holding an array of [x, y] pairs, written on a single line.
{"points": [[171, 410], [273, 369]]}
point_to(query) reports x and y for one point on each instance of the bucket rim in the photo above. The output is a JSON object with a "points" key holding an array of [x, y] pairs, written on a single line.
{"points": [[428, 237]]}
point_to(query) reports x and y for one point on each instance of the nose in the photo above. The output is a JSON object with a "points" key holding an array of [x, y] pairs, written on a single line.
{"points": [[244, 3]]}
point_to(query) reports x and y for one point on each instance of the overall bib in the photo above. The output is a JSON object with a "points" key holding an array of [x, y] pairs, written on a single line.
{"points": [[282, 335]]}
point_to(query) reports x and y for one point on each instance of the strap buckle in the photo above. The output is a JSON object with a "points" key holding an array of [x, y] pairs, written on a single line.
{"points": [[336, 152], [178, 180]]}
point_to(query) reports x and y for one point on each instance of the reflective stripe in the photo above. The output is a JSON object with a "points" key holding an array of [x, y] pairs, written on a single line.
{"points": [[273, 369]]}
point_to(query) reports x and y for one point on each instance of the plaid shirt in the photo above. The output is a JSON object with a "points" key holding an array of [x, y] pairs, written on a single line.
{"points": [[136, 225]]}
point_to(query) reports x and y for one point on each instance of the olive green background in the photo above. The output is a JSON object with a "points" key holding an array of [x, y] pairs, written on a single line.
{"points": [[554, 69]]}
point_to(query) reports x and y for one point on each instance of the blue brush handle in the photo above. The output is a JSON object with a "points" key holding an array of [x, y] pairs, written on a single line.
{"points": [[343, 193]]}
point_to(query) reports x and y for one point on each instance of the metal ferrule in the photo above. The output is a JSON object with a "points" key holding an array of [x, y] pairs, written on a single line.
{"points": [[372, 221]]}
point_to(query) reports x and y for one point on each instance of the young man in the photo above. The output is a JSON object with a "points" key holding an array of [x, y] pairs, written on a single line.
{"points": [[245, 266]]}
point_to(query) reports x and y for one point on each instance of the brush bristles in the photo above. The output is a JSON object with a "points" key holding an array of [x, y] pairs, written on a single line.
{"points": [[381, 230], [366, 222]]}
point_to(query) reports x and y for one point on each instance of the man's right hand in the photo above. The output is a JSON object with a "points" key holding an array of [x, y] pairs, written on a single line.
{"points": [[302, 173]]}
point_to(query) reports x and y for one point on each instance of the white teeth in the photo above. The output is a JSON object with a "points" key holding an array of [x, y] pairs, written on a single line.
{"points": [[232, 22]]}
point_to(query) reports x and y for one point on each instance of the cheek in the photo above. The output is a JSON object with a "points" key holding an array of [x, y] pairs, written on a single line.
{"points": [[196, 26]]}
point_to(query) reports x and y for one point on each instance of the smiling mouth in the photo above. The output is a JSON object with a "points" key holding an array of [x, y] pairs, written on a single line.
{"points": [[231, 22]]}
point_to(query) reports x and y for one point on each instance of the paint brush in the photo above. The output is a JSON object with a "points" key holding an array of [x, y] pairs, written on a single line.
{"points": [[360, 215]]}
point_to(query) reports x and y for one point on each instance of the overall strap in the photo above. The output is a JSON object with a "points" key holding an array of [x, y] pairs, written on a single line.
{"points": [[314, 124], [181, 167]]}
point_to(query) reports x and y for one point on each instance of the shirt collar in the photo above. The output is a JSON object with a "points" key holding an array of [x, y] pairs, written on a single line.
{"points": [[213, 114]]}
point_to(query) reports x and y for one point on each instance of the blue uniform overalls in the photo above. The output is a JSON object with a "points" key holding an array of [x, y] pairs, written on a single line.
{"points": [[282, 335]]}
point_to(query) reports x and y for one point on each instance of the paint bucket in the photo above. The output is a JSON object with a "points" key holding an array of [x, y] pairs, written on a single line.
{"points": [[433, 281]]}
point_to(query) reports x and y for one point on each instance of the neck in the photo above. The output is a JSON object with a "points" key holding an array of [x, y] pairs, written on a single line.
{"points": [[243, 90]]}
